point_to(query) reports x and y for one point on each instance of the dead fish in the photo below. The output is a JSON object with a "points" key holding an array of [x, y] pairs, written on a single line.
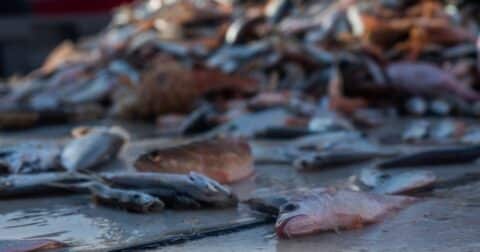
{"points": [[422, 78], [324, 141], [129, 200], [328, 159], [37, 245], [283, 132], [440, 107], [243, 126], [176, 190], [325, 209], [225, 160], [34, 184], [443, 156], [416, 131], [416, 106], [405, 183], [93, 149], [267, 205], [445, 129], [30, 158]]}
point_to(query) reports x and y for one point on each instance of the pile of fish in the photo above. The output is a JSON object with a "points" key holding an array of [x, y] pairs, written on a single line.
{"points": [[192, 65], [318, 77]]}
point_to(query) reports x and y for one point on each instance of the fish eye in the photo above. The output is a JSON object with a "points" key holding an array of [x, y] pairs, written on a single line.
{"points": [[289, 207]]}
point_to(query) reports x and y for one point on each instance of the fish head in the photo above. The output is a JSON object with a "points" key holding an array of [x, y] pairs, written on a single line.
{"points": [[147, 201], [305, 213], [209, 190]]}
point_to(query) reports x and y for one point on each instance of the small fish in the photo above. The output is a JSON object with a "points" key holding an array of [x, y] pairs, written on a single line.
{"points": [[405, 183], [226, 160], [37, 245], [282, 132], [30, 158], [129, 200], [443, 156], [35, 184], [416, 131], [268, 205], [189, 190], [334, 158], [326, 209], [416, 106], [96, 147]]}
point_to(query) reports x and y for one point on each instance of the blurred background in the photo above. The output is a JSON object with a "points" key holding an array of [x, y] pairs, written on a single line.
{"points": [[30, 29]]}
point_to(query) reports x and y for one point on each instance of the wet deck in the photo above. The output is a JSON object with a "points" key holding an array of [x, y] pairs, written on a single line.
{"points": [[447, 222]]}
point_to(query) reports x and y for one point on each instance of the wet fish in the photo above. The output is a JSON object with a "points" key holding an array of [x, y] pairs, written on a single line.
{"points": [[328, 159], [176, 190], [30, 158], [93, 149], [416, 131], [129, 200], [325, 209], [37, 245], [282, 132], [268, 205], [35, 184], [226, 160], [406, 182], [443, 156]]}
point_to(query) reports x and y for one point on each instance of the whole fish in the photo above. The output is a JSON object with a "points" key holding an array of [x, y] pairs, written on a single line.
{"points": [[96, 147], [176, 190], [226, 160], [443, 156], [129, 200], [35, 184], [324, 209], [406, 182], [328, 159], [37, 245], [30, 158]]}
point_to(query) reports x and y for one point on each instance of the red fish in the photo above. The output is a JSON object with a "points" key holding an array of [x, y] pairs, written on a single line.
{"points": [[324, 209]]}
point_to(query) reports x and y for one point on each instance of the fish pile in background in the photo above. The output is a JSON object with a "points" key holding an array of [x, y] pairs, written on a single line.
{"points": [[159, 60]]}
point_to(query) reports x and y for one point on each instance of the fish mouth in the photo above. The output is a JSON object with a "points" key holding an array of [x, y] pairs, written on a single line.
{"points": [[294, 226]]}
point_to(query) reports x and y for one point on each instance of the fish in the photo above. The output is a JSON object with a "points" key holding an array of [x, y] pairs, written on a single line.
{"points": [[33, 157], [96, 147], [225, 160], [328, 209], [441, 156], [130, 200], [282, 132], [416, 131], [34, 245], [36, 184], [406, 182], [176, 190], [311, 161]]}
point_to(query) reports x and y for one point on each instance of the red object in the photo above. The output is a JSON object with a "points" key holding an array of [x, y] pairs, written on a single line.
{"points": [[63, 7]]}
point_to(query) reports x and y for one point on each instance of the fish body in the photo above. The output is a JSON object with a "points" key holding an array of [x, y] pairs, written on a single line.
{"points": [[125, 199], [34, 184], [406, 182], [91, 150], [325, 209], [183, 190], [333, 158], [226, 160], [435, 157], [30, 158]]}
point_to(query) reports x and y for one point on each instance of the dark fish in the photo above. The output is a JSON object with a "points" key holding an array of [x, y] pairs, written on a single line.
{"points": [[406, 182], [35, 184], [225, 160], [93, 149], [328, 159], [191, 190], [37, 245], [283, 132], [444, 156], [30, 158], [325, 209], [129, 200], [268, 205]]}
